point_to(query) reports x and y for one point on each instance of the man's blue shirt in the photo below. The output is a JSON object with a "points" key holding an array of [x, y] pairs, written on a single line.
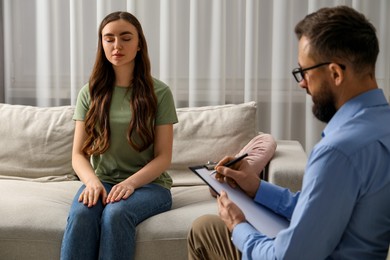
{"points": [[343, 210]]}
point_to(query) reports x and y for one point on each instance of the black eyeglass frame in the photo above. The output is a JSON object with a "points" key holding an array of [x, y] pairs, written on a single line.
{"points": [[301, 71]]}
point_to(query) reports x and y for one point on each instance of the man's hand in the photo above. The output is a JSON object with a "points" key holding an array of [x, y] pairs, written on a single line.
{"points": [[229, 212], [238, 174]]}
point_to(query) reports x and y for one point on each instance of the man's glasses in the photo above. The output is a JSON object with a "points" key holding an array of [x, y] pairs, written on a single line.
{"points": [[299, 73]]}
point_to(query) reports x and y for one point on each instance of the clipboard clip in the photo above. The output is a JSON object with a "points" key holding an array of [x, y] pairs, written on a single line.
{"points": [[210, 165]]}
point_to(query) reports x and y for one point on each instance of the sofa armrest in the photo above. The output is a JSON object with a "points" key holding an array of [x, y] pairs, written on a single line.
{"points": [[287, 166]]}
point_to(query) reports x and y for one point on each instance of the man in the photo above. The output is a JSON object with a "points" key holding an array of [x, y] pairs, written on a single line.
{"points": [[343, 209]]}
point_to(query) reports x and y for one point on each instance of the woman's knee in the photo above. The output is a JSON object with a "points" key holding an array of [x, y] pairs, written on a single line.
{"points": [[118, 212], [80, 212]]}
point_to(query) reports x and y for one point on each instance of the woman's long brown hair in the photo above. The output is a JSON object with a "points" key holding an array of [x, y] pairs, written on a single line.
{"points": [[143, 102]]}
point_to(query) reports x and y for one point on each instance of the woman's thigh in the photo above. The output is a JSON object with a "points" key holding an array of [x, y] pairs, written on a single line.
{"points": [[145, 202], [82, 212]]}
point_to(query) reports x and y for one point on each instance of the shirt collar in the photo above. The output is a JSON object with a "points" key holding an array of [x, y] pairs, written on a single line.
{"points": [[370, 98]]}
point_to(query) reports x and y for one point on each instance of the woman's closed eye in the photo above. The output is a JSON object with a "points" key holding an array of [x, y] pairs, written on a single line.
{"points": [[109, 39]]}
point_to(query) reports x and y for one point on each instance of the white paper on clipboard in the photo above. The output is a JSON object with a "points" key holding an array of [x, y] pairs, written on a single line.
{"points": [[261, 218]]}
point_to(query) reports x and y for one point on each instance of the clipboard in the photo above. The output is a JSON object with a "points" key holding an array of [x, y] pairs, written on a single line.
{"points": [[260, 217]]}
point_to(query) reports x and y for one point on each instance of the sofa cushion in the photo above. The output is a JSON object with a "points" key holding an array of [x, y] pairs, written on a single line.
{"points": [[34, 216], [36, 142], [208, 134], [164, 233]]}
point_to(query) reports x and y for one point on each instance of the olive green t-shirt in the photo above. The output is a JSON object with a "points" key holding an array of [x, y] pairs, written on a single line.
{"points": [[121, 160]]}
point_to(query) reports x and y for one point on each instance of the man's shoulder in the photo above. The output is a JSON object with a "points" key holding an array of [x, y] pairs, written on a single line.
{"points": [[359, 133]]}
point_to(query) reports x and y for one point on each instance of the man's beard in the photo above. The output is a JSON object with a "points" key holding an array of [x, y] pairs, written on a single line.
{"points": [[324, 104]]}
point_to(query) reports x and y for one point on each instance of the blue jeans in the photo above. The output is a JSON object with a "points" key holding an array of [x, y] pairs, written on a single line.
{"points": [[108, 232]]}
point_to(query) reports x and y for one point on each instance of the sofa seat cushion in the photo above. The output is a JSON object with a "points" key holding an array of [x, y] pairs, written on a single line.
{"points": [[34, 214], [34, 208], [163, 234]]}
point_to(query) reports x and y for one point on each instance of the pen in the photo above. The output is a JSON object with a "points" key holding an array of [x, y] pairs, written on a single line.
{"points": [[230, 163]]}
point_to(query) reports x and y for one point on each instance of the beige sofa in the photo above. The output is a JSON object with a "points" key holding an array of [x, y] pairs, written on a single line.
{"points": [[37, 183]]}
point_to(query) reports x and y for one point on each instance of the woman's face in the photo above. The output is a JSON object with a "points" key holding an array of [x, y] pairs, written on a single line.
{"points": [[120, 43]]}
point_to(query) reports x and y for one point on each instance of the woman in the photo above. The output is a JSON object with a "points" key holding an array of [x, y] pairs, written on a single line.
{"points": [[122, 146]]}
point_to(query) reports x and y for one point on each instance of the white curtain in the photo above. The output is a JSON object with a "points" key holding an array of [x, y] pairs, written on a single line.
{"points": [[210, 52]]}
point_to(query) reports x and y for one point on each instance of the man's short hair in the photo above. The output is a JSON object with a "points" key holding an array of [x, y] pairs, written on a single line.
{"points": [[340, 34]]}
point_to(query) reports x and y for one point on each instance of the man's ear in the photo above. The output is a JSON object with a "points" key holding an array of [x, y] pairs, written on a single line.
{"points": [[337, 73]]}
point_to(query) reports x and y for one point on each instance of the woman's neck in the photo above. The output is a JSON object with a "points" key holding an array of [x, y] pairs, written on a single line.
{"points": [[123, 76]]}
